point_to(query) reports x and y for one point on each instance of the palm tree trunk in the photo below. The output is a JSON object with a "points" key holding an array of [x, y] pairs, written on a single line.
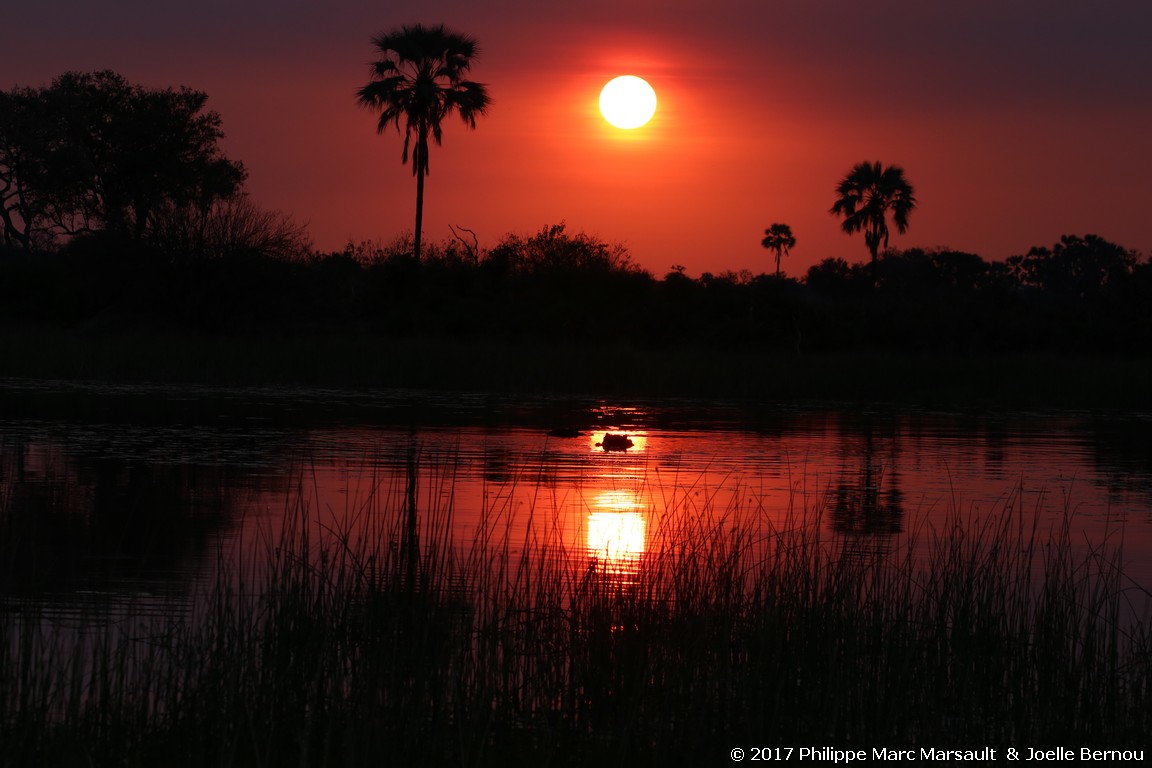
{"points": [[421, 161], [419, 212], [872, 240]]}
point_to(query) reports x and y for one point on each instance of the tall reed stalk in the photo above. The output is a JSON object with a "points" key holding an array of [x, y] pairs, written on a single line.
{"points": [[386, 641]]}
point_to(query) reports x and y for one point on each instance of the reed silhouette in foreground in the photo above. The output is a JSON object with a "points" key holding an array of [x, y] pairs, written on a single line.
{"points": [[322, 649]]}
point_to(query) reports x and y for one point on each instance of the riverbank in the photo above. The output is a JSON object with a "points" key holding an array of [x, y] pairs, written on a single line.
{"points": [[357, 360]]}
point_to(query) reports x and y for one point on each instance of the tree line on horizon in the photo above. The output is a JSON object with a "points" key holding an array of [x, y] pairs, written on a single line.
{"points": [[1082, 294], [100, 221]]}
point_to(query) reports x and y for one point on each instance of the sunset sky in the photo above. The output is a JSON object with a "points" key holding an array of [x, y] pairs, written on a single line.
{"points": [[1016, 120]]}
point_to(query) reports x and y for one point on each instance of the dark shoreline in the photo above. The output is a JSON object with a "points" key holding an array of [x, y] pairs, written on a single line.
{"points": [[363, 360]]}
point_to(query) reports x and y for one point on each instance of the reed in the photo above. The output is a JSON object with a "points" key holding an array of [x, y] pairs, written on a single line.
{"points": [[385, 641]]}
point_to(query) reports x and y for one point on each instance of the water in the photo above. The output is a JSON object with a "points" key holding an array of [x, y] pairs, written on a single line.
{"points": [[133, 493]]}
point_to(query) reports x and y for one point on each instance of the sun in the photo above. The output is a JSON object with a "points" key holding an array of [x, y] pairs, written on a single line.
{"points": [[627, 102]]}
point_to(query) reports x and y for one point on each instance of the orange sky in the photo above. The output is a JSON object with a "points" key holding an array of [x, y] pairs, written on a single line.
{"points": [[1015, 121]]}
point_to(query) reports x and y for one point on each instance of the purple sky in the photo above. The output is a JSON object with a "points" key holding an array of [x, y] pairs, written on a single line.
{"points": [[1016, 121]]}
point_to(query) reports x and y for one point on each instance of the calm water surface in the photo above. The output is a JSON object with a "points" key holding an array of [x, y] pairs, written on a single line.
{"points": [[108, 491]]}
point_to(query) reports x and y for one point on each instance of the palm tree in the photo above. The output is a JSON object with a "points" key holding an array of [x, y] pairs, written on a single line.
{"points": [[866, 195], [778, 238], [420, 79]]}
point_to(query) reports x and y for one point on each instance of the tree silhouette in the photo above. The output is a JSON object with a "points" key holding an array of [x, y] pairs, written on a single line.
{"points": [[778, 239], [93, 152], [866, 195], [1076, 267], [420, 78]]}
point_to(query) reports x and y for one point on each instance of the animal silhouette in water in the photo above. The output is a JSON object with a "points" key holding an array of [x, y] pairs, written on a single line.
{"points": [[613, 442]]}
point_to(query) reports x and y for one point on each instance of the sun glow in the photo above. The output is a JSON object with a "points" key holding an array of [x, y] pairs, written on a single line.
{"points": [[627, 102], [616, 537]]}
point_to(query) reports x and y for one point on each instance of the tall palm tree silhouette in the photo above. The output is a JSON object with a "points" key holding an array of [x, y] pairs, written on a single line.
{"points": [[420, 79], [778, 238], [866, 195]]}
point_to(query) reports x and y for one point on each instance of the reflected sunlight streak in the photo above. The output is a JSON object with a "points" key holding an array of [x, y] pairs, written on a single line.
{"points": [[616, 537], [616, 501]]}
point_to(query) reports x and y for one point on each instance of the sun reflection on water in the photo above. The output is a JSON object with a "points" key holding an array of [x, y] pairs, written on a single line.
{"points": [[616, 529], [616, 538]]}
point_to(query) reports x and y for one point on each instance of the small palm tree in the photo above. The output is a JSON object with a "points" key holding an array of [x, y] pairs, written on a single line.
{"points": [[778, 238], [420, 79], [866, 195]]}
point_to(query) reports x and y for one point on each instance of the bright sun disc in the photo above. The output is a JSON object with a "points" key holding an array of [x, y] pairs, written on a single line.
{"points": [[627, 102]]}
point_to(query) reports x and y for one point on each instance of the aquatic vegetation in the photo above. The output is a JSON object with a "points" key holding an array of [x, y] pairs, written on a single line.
{"points": [[385, 639]]}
